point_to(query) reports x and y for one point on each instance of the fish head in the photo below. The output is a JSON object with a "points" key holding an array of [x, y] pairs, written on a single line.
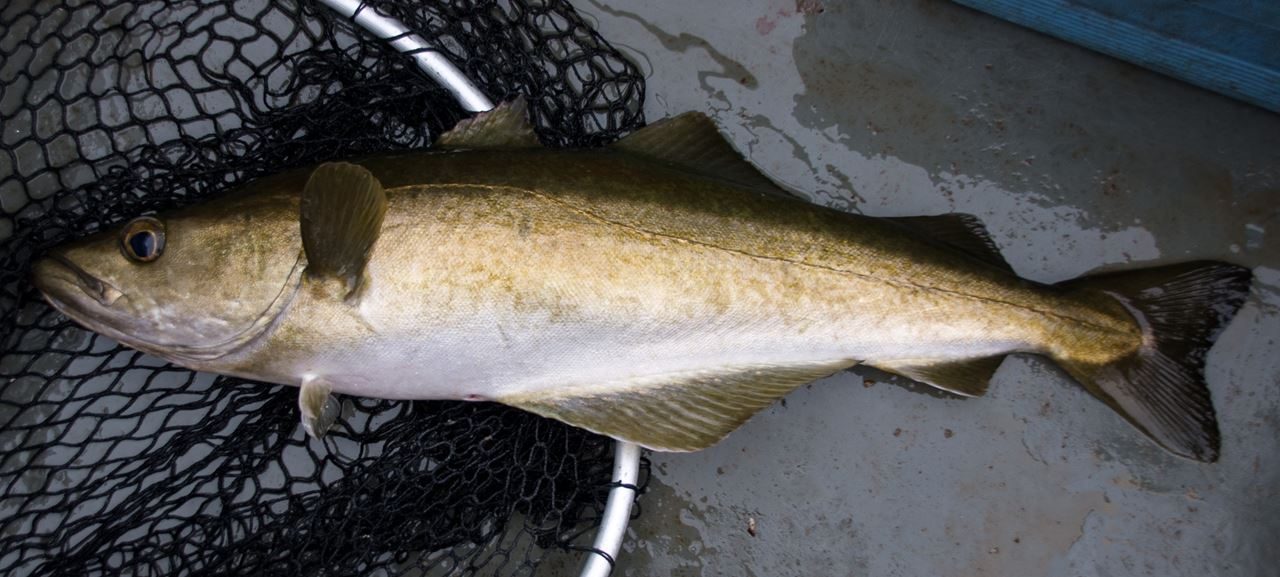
{"points": [[192, 284]]}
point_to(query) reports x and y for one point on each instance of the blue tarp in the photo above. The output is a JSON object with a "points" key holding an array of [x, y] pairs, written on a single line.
{"points": [[1229, 46]]}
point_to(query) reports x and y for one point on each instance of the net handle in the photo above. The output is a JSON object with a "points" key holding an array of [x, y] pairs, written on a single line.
{"points": [[617, 510], [626, 456], [430, 60]]}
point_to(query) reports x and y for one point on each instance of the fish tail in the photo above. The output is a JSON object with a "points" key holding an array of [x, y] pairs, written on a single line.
{"points": [[1160, 387]]}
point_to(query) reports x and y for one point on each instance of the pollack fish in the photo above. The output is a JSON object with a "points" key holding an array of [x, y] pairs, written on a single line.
{"points": [[659, 290]]}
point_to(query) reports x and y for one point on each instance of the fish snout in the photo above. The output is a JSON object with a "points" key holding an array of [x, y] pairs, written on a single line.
{"points": [[59, 279]]}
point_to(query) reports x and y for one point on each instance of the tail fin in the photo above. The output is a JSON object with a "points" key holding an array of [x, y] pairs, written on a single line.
{"points": [[1160, 388]]}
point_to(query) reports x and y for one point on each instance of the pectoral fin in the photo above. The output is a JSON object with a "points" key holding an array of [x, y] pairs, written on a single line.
{"points": [[319, 409], [968, 377], [684, 411], [343, 206]]}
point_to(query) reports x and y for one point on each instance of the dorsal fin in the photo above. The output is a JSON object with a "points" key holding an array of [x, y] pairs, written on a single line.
{"points": [[684, 411], [506, 126], [961, 231], [692, 141]]}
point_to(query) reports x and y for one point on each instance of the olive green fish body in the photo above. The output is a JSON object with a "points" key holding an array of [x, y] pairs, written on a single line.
{"points": [[659, 291], [478, 289]]}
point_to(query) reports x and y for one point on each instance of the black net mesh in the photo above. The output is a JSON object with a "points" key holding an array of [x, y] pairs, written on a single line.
{"points": [[112, 462]]}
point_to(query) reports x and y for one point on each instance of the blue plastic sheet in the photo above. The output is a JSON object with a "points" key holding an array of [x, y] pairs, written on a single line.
{"points": [[1229, 46]]}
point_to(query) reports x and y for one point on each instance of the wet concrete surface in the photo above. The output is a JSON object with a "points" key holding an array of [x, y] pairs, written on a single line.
{"points": [[1076, 162]]}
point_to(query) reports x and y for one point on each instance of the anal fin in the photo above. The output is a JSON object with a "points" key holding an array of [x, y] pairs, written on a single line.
{"points": [[684, 411], [966, 377]]}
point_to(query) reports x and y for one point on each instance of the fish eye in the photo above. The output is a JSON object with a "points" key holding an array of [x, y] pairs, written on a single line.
{"points": [[142, 239]]}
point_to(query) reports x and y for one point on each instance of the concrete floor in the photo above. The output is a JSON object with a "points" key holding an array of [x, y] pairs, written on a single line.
{"points": [[1075, 161]]}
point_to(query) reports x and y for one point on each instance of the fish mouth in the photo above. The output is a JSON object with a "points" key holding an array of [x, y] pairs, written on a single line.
{"points": [[84, 298], [55, 272]]}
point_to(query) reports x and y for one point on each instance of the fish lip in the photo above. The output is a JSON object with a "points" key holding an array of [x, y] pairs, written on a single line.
{"points": [[67, 288], [99, 290], [46, 280], [60, 281]]}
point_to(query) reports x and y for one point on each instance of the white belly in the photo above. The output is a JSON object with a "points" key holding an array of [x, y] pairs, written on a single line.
{"points": [[486, 357]]}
